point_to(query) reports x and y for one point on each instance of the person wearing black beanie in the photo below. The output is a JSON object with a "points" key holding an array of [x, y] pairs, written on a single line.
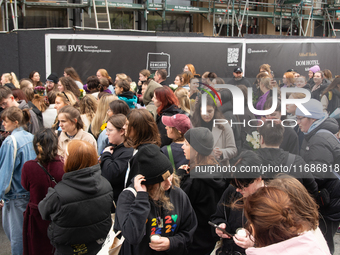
{"points": [[203, 190], [154, 215]]}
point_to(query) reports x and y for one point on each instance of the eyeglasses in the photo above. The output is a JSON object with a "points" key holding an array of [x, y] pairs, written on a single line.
{"points": [[109, 130], [300, 118]]}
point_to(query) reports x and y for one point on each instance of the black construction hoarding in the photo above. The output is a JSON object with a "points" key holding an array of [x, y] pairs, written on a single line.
{"points": [[299, 55], [130, 54]]}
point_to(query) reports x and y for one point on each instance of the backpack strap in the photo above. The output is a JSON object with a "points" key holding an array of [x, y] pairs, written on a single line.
{"points": [[168, 147], [290, 159]]}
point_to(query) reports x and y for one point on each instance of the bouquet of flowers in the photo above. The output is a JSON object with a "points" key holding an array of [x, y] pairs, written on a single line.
{"points": [[133, 86], [253, 140], [82, 93], [40, 90], [173, 87]]}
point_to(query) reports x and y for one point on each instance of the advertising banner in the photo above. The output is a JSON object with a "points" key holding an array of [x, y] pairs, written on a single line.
{"points": [[131, 54], [299, 55]]}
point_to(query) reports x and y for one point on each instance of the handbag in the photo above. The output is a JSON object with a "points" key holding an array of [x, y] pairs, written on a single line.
{"points": [[14, 156], [51, 177]]}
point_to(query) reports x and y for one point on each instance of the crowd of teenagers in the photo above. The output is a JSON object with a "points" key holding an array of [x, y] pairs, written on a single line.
{"points": [[74, 156]]}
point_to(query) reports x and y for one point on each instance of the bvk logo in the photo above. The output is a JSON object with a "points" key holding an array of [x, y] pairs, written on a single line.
{"points": [[75, 48]]}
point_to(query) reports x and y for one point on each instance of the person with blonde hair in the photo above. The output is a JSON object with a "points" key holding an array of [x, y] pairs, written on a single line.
{"points": [[88, 106], [79, 206], [97, 124], [103, 73], [182, 95], [10, 80], [121, 76], [154, 215]]}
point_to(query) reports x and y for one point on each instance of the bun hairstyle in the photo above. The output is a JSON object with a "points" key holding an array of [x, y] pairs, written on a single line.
{"points": [[271, 217], [14, 113], [45, 144]]}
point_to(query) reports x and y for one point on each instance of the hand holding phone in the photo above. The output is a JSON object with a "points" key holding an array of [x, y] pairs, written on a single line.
{"points": [[220, 229]]}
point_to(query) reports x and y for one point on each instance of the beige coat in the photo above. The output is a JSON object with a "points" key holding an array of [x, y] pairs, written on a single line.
{"points": [[81, 135], [224, 139], [148, 95]]}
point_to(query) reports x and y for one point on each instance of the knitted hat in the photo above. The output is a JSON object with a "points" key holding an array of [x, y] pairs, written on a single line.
{"points": [[153, 164], [201, 139], [314, 69], [179, 121], [314, 107], [53, 77]]}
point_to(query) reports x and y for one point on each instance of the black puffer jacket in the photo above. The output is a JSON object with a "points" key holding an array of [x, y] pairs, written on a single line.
{"points": [[79, 208], [323, 148]]}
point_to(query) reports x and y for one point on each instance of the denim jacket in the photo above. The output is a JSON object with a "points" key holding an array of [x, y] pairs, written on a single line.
{"points": [[25, 152]]}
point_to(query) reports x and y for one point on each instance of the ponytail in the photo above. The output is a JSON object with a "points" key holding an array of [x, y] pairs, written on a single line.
{"points": [[14, 80]]}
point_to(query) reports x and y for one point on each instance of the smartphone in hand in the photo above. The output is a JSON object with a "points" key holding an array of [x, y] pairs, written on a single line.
{"points": [[221, 229]]}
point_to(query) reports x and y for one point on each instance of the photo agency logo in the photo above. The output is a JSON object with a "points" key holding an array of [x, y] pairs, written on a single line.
{"points": [[239, 104]]}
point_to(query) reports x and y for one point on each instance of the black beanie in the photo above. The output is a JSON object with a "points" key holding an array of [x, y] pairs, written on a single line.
{"points": [[53, 77], [153, 164], [201, 139]]}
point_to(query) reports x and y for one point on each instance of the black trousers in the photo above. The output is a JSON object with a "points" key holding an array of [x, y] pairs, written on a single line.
{"points": [[328, 229]]}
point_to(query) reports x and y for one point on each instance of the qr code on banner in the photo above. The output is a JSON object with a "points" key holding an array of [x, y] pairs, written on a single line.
{"points": [[233, 54]]}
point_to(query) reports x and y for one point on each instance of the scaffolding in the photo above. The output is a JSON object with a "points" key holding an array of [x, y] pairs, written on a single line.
{"points": [[234, 14]]}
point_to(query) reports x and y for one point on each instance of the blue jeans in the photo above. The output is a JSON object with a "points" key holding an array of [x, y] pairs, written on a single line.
{"points": [[13, 220]]}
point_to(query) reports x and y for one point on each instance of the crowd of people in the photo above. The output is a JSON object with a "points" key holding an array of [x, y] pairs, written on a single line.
{"points": [[74, 156]]}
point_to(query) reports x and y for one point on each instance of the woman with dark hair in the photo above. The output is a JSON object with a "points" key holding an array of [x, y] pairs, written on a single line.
{"points": [[330, 97], [140, 129], [154, 215], [115, 107], [224, 147], [124, 93], [92, 86], [231, 218], [72, 73], [204, 193], [36, 180], [79, 206], [34, 76], [14, 198], [167, 105], [276, 226], [115, 157], [72, 128], [66, 83]]}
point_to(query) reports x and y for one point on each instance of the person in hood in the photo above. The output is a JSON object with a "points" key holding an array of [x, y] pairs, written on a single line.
{"points": [[321, 148], [167, 105], [7, 100], [330, 97], [79, 206], [123, 92], [276, 226], [154, 215], [203, 191]]}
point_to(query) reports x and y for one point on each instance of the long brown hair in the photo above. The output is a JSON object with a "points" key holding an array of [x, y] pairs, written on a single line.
{"points": [[70, 85], [72, 113], [72, 73], [334, 85], [144, 129], [271, 217], [83, 155]]}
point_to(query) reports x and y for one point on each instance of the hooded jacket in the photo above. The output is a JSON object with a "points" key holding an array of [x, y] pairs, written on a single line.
{"points": [[204, 195], [303, 244], [79, 208], [129, 98], [322, 148]]}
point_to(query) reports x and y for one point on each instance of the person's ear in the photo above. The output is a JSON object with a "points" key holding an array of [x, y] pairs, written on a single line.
{"points": [[75, 121]]}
